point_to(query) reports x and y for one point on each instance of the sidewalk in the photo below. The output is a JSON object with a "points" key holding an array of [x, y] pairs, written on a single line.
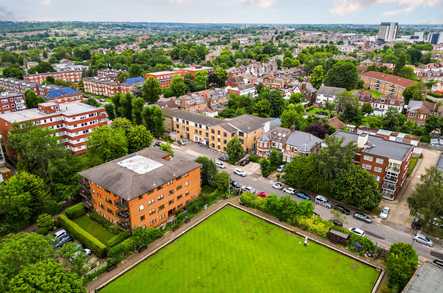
{"points": [[136, 258]]}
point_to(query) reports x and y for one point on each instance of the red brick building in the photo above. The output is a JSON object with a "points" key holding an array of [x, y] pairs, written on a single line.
{"points": [[72, 122], [391, 86], [165, 77], [143, 189], [18, 86], [11, 102], [68, 76]]}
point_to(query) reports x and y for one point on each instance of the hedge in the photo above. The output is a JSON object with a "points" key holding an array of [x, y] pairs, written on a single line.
{"points": [[75, 211], [123, 248], [117, 238], [83, 236]]}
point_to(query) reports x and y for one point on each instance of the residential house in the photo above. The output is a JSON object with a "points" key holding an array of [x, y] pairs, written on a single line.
{"points": [[143, 189], [420, 111], [380, 105], [328, 94]]}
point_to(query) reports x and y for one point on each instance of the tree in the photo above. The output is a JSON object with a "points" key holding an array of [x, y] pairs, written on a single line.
{"points": [[276, 101], [151, 90], [222, 181], [106, 143], [42, 67], [137, 110], [426, 202], [393, 119], [407, 72], [178, 86], [262, 108], [110, 110], [366, 108], [45, 223], [166, 147], [75, 256], [13, 72], [401, 263], [292, 117], [275, 158], [208, 170], [63, 177], [153, 119], [18, 251], [414, 92], [266, 167], [317, 76], [234, 149], [343, 74], [135, 70], [317, 129], [46, 276], [296, 98], [434, 122], [348, 107], [143, 236], [201, 80], [138, 138], [218, 77], [32, 100], [122, 123]]}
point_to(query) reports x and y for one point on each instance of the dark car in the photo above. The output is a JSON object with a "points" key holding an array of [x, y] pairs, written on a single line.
{"points": [[342, 209], [438, 262], [416, 224], [62, 241], [337, 223], [235, 184], [223, 158], [363, 217], [302, 195]]}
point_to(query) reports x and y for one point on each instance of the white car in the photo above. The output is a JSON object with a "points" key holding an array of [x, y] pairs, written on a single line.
{"points": [[289, 190], [358, 231], [220, 164], [277, 185], [250, 189], [323, 201], [240, 172], [384, 213], [423, 239], [280, 168]]}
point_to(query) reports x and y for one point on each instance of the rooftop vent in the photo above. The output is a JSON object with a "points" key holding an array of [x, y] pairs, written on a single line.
{"points": [[139, 164]]}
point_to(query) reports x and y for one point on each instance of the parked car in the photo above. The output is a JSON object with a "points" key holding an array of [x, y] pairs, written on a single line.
{"points": [[358, 231], [384, 213], [240, 172], [277, 185], [438, 262], [416, 224], [235, 184], [280, 168], [248, 189], [423, 239], [337, 223], [302, 195], [289, 190], [323, 201], [342, 209], [262, 194], [223, 158], [220, 164], [183, 141], [60, 234], [62, 241], [243, 161], [362, 217]]}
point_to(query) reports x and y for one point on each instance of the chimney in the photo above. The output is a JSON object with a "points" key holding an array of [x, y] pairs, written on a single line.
{"points": [[362, 140]]}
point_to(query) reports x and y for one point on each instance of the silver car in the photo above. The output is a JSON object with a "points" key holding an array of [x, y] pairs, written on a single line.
{"points": [[423, 239]]}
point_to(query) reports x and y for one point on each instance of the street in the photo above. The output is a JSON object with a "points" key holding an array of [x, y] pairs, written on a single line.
{"points": [[382, 234]]}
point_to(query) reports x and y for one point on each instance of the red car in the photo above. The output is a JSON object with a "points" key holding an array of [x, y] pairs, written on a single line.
{"points": [[262, 194]]}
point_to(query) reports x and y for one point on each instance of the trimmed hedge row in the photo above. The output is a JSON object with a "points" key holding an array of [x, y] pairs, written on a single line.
{"points": [[117, 238], [75, 211], [83, 236]]}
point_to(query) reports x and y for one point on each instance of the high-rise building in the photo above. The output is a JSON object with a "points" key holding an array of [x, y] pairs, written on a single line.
{"points": [[387, 31], [435, 38]]}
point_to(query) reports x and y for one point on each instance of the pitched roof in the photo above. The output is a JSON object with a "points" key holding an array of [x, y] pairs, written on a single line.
{"points": [[55, 93], [330, 91], [189, 116], [404, 82], [336, 123], [378, 146], [303, 141], [246, 123], [427, 278], [422, 106], [135, 174]]}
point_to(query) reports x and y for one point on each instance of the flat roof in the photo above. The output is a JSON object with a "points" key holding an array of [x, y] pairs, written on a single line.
{"points": [[133, 175], [427, 278]]}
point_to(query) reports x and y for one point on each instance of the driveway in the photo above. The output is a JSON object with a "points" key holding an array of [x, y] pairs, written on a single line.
{"points": [[399, 217]]}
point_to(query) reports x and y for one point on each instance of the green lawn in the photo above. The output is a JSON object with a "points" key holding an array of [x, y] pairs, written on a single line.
{"points": [[233, 251], [94, 228]]}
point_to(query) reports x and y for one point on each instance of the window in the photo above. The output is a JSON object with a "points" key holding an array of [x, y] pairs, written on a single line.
{"points": [[179, 187], [179, 197], [142, 218], [161, 207], [378, 169], [151, 212], [368, 158], [367, 167], [141, 207], [160, 197], [171, 191], [171, 202], [150, 202], [379, 161]]}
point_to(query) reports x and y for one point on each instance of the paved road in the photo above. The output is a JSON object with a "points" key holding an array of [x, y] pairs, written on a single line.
{"points": [[382, 234]]}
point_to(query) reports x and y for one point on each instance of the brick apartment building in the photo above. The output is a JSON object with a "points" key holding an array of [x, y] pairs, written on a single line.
{"points": [[71, 122], [68, 76], [387, 160], [216, 133], [143, 189], [61, 94], [109, 87], [391, 86], [18, 86], [165, 77], [11, 102]]}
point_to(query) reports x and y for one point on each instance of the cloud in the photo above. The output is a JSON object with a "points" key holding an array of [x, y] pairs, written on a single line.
{"points": [[46, 2], [259, 3], [6, 14], [345, 7]]}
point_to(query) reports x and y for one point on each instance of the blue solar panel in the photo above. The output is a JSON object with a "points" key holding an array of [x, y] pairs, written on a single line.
{"points": [[59, 92], [134, 80]]}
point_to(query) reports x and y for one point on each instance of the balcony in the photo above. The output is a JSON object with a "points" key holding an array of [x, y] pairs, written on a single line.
{"points": [[392, 179], [122, 206]]}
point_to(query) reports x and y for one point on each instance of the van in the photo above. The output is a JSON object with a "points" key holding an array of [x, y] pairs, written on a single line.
{"points": [[60, 234], [323, 201]]}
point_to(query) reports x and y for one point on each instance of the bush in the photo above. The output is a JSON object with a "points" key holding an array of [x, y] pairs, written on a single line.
{"points": [[401, 264], [117, 238], [254, 158], [83, 236], [313, 224], [45, 223], [361, 244], [123, 248], [251, 200], [75, 211]]}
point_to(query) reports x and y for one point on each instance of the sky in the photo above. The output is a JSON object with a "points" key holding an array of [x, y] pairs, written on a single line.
{"points": [[227, 11]]}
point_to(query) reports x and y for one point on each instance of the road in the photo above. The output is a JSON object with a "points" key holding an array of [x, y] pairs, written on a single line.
{"points": [[382, 234]]}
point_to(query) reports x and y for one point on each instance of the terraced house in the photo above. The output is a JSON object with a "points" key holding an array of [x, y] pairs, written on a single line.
{"points": [[216, 133], [143, 189]]}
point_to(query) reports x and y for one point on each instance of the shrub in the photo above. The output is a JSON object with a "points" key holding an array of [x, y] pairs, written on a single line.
{"points": [[83, 236], [401, 263], [143, 236], [313, 224], [123, 248], [75, 211], [251, 200], [45, 223], [117, 238], [361, 244]]}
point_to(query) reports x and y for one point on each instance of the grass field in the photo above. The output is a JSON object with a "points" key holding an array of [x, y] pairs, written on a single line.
{"points": [[94, 228], [233, 251]]}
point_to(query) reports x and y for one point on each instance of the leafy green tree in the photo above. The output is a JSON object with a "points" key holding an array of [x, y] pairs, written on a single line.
{"points": [[93, 102], [110, 110], [137, 110], [401, 263], [366, 108], [426, 201], [218, 77], [138, 138], [75, 256], [135, 70], [407, 72], [414, 92], [201, 80], [20, 250], [275, 158], [266, 167], [32, 100], [123, 105], [296, 98], [151, 90], [208, 170], [45, 223], [348, 107], [178, 86], [262, 108], [276, 100], [153, 119], [47, 276], [434, 122], [393, 119], [63, 177], [222, 181], [235, 150], [166, 147], [317, 76], [13, 72], [122, 123], [302, 173], [42, 67], [143, 236], [106, 143], [343, 74], [292, 117]]}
